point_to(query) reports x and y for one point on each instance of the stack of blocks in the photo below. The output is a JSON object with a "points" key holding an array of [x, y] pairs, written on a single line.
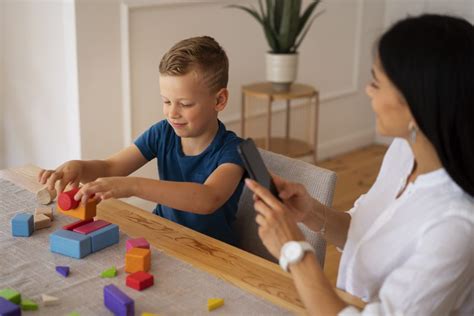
{"points": [[137, 262], [85, 236]]}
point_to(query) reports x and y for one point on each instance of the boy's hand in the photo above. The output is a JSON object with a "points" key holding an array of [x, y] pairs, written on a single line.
{"points": [[68, 173], [106, 188]]}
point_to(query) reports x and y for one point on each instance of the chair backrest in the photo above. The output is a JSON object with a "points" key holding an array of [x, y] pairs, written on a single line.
{"points": [[320, 184]]}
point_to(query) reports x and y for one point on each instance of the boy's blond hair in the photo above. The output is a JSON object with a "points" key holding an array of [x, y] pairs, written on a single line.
{"points": [[200, 53]]}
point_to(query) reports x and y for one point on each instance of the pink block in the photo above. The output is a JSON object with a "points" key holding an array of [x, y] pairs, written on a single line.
{"points": [[137, 243], [91, 227], [77, 224]]}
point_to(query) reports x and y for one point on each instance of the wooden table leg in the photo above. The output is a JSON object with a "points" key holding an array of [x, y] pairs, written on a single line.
{"points": [[269, 124], [316, 126], [242, 118]]}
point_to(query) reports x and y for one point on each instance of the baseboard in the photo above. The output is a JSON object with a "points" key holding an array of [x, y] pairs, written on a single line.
{"points": [[346, 143]]}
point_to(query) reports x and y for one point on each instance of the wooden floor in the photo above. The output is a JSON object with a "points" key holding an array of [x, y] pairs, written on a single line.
{"points": [[356, 172]]}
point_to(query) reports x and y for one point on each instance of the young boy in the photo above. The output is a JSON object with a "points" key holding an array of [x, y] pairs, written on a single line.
{"points": [[201, 174]]}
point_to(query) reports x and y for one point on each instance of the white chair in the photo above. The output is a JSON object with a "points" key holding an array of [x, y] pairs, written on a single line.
{"points": [[320, 184]]}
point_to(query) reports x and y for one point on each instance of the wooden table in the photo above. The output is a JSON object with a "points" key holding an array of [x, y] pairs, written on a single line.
{"points": [[287, 146], [244, 270]]}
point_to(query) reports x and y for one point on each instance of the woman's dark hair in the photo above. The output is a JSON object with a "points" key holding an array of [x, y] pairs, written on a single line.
{"points": [[430, 59]]}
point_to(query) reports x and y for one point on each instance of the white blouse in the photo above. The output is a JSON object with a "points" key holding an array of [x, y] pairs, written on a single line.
{"points": [[411, 255]]}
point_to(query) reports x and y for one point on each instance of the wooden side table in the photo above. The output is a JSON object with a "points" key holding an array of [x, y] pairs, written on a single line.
{"points": [[287, 145]]}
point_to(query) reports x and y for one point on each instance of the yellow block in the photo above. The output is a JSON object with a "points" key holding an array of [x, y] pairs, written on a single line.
{"points": [[149, 314], [83, 212], [213, 303]]}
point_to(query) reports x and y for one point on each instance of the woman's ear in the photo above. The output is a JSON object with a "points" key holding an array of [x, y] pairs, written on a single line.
{"points": [[221, 99]]}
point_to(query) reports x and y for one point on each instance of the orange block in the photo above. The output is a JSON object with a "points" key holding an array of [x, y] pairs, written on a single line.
{"points": [[83, 211], [137, 259]]}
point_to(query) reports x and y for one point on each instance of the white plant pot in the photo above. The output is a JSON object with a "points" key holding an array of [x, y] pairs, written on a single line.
{"points": [[281, 70]]}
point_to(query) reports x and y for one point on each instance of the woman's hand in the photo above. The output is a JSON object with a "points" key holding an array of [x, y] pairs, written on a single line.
{"points": [[69, 173], [295, 197], [277, 224], [106, 188]]}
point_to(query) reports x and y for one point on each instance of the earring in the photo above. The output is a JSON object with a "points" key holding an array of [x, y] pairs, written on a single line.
{"points": [[413, 131]]}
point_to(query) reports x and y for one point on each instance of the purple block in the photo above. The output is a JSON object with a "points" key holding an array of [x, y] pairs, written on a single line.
{"points": [[7, 308], [118, 302], [63, 270]]}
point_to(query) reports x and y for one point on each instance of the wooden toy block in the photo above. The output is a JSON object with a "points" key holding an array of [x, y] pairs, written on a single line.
{"points": [[83, 211], [45, 196], [137, 259], [7, 308], [49, 300], [139, 280], [70, 244], [28, 305], [91, 227], [11, 295], [149, 314], [214, 303], [66, 200], [109, 273], [22, 225], [74, 225], [118, 302], [104, 237], [63, 270], [137, 243], [48, 211], [73, 314], [41, 221]]}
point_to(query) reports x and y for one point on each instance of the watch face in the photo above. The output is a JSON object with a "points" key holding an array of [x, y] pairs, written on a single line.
{"points": [[292, 251]]}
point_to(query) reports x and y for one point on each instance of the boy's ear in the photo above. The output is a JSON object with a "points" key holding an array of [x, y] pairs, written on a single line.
{"points": [[221, 99]]}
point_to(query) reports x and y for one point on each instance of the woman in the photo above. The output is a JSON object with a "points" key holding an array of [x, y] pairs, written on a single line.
{"points": [[408, 243]]}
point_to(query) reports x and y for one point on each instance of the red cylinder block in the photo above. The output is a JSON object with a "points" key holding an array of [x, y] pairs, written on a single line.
{"points": [[66, 200]]}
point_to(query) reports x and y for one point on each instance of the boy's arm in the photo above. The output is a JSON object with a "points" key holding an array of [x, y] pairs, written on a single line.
{"points": [[75, 171], [193, 197]]}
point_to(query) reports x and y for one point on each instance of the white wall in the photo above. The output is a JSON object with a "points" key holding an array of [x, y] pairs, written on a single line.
{"points": [[335, 57], [39, 84], [2, 132]]}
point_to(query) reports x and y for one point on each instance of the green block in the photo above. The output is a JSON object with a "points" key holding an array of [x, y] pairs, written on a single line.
{"points": [[11, 295], [28, 305], [109, 273], [73, 314]]}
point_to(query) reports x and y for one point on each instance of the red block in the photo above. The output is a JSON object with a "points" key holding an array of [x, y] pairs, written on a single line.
{"points": [[91, 227], [66, 200], [74, 225], [139, 280]]}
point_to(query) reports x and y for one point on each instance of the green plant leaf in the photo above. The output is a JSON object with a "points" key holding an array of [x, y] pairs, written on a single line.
{"points": [[298, 43], [307, 13], [277, 13]]}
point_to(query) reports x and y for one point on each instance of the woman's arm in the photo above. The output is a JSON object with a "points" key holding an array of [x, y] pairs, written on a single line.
{"points": [[313, 213], [314, 288]]}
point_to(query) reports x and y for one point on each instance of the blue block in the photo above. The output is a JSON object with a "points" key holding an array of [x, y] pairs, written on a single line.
{"points": [[104, 237], [7, 308], [70, 243], [22, 225], [118, 302]]}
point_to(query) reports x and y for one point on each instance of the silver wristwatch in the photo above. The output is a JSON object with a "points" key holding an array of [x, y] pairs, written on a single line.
{"points": [[293, 252]]}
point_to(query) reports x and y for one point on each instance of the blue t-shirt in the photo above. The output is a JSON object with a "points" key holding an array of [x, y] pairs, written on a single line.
{"points": [[161, 142]]}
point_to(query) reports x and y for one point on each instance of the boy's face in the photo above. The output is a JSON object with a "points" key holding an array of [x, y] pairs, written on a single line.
{"points": [[189, 106]]}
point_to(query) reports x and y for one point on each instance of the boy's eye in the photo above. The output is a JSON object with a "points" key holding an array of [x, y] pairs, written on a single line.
{"points": [[166, 102], [187, 105], [374, 85]]}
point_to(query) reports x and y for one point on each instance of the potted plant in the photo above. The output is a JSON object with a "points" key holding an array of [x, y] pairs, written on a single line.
{"points": [[284, 29]]}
